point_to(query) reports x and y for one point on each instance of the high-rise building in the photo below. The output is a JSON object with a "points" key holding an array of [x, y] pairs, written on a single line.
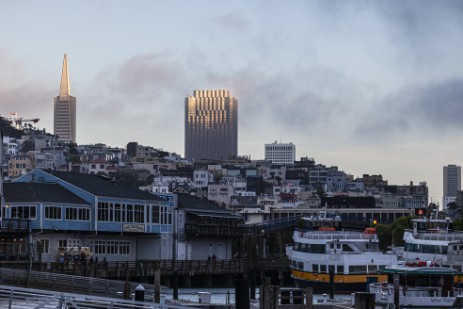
{"points": [[211, 125], [65, 108], [280, 154], [452, 183]]}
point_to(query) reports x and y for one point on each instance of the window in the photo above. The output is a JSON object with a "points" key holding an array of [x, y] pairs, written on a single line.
{"points": [[84, 214], [62, 243], [154, 214], [357, 269], [78, 214], [53, 212], [43, 246], [166, 215], [23, 212], [111, 247], [103, 212], [139, 213], [117, 213]]}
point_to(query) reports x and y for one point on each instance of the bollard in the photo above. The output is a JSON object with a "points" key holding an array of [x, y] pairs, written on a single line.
{"points": [[364, 300], [242, 292], [140, 293]]}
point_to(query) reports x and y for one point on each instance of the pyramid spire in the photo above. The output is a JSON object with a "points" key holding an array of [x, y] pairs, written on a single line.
{"points": [[65, 87]]}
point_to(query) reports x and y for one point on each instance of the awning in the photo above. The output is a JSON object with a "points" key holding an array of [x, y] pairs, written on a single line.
{"points": [[214, 214]]}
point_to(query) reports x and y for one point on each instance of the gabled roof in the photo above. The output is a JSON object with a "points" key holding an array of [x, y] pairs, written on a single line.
{"points": [[202, 207], [23, 192], [103, 186]]}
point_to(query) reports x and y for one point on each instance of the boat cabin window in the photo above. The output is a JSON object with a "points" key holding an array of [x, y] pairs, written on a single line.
{"points": [[311, 248], [357, 269], [340, 269], [372, 268], [424, 280], [300, 265], [323, 268], [346, 248], [315, 268], [419, 248]]}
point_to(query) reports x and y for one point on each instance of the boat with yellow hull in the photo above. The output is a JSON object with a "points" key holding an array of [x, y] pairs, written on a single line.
{"points": [[327, 258]]}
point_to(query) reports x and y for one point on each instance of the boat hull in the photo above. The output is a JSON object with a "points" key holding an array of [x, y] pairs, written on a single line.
{"points": [[342, 283]]}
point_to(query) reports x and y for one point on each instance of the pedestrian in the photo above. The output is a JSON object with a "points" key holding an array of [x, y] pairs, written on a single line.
{"points": [[214, 260]]}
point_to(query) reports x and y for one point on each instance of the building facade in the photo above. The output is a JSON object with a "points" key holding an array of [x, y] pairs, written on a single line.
{"points": [[280, 153], [211, 125], [65, 109], [452, 183]]}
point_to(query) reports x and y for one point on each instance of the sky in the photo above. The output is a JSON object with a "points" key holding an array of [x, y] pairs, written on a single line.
{"points": [[373, 87]]}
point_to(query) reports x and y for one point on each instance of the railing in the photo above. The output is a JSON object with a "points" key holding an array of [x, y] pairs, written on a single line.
{"points": [[336, 235], [147, 268], [15, 225], [21, 298], [380, 288], [217, 230], [443, 235], [69, 283]]}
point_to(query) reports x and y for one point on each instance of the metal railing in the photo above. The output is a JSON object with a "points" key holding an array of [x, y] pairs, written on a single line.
{"points": [[143, 268], [69, 283], [22, 298]]}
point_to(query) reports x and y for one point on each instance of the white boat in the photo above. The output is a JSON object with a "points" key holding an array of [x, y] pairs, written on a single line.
{"points": [[433, 239], [327, 258], [418, 285]]}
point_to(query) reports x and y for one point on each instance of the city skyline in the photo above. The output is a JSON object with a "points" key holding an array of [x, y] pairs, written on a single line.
{"points": [[371, 87]]}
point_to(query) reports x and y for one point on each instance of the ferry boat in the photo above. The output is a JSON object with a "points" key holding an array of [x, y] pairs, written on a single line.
{"points": [[420, 284], [433, 239], [327, 258]]}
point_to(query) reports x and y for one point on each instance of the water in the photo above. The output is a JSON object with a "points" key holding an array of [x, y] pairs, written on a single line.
{"points": [[218, 295], [227, 295]]}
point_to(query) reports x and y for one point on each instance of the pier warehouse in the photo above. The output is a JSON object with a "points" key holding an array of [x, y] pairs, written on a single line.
{"points": [[51, 213]]}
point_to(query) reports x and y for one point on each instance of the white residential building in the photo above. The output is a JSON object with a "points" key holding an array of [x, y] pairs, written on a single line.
{"points": [[201, 178], [220, 193]]}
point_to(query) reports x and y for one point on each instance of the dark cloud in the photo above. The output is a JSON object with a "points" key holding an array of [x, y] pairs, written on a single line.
{"points": [[430, 109]]}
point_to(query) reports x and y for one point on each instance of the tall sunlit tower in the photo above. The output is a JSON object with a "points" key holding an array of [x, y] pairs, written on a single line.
{"points": [[452, 184], [65, 108], [211, 125]]}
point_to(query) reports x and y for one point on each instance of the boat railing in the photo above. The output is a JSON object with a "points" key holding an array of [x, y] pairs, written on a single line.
{"points": [[387, 290], [442, 236], [335, 236]]}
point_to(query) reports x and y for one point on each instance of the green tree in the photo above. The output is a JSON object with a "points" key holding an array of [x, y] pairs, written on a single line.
{"points": [[398, 228], [384, 232], [458, 224], [128, 178]]}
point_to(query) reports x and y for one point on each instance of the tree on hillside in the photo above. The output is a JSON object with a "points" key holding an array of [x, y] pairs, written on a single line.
{"points": [[8, 130]]}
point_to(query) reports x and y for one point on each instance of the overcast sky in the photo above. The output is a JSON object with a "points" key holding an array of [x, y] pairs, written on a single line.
{"points": [[373, 87]]}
